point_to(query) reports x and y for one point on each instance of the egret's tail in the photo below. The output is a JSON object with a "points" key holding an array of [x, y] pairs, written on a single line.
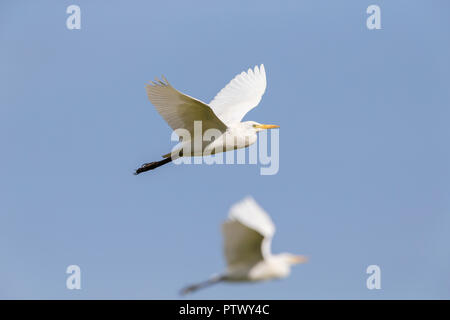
{"points": [[200, 285], [152, 165]]}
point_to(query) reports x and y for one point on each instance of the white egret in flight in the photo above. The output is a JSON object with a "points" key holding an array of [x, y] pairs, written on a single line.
{"points": [[224, 114], [248, 233]]}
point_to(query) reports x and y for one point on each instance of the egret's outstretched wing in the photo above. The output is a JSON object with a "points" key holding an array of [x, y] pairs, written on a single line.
{"points": [[180, 110], [242, 94], [247, 233]]}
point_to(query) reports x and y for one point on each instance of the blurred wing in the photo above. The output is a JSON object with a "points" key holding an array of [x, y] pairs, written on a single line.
{"points": [[242, 94], [247, 233], [180, 110]]}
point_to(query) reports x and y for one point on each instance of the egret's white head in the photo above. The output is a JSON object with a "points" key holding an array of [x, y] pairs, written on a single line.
{"points": [[291, 259], [253, 125], [281, 263]]}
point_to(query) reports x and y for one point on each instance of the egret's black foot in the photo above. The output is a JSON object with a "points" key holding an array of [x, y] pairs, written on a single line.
{"points": [[146, 167], [152, 165]]}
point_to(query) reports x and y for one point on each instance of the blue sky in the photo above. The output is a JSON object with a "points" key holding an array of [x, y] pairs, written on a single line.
{"points": [[364, 159]]}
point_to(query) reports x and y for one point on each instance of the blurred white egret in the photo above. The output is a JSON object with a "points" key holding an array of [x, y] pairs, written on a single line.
{"points": [[247, 236], [223, 113]]}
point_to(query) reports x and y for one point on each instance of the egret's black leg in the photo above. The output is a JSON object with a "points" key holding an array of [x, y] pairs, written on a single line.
{"points": [[152, 165], [201, 285]]}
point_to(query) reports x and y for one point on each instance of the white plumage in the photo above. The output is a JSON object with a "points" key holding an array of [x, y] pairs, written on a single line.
{"points": [[240, 95], [224, 113], [248, 233], [180, 110]]}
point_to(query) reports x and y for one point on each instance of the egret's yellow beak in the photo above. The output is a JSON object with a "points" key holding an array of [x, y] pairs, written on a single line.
{"points": [[266, 126], [299, 259]]}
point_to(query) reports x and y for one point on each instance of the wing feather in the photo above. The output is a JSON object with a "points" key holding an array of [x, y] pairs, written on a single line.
{"points": [[240, 95], [180, 110], [247, 233]]}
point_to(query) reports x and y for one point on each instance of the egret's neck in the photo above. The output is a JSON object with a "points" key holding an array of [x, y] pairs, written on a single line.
{"points": [[242, 129], [280, 266]]}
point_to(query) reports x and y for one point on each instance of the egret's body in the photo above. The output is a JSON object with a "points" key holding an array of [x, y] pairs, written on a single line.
{"points": [[235, 137], [248, 235], [223, 115]]}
